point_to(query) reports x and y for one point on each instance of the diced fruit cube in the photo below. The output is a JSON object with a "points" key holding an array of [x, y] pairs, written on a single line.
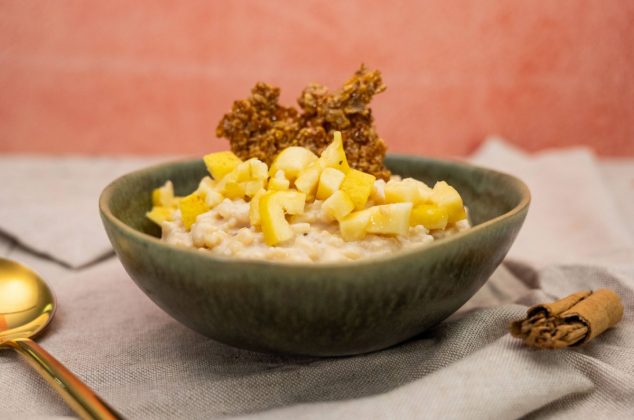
{"points": [[160, 214], [329, 182], [308, 179], [358, 186], [338, 205], [259, 170], [242, 172], [291, 161], [407, 190], [221, 163], [190, 207], [206, 188], [279, 182], [353, 226], [378, 192], [429, 215], [400, 192], [273, 205], [334, 156], [446, 196], [254, 208], [233, 190], [424, 192], [164, 196], [293, 202], [252, 187], [390, 219]]}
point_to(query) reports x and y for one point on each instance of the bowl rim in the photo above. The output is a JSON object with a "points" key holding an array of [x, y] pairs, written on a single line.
{"points": [[108, 191]]}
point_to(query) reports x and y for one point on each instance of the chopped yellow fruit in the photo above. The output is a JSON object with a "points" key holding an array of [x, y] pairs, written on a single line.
{"points": [[291, 161], [329, 182], [206, 188], [246, 178], [358, 186], [273, 205], [207, 183], [429, 215], [252, 187], [424, 192], [338, 205], [190, 207], [164, 196], [446, 196], [233, 190], [308, 179], [254, 208], [407, 190], [390, 219], [400, 192], [221, 163], [378, 192], [160, 214], [334, 156], [242, 172], [353, 226], [279, 182], [258, 169]]}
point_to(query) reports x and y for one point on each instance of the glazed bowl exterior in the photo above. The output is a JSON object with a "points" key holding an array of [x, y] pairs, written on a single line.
{"points": [[316, 309]]}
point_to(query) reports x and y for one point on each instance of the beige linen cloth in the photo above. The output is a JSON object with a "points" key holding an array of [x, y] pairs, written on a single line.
{"points": [[578, 235]]}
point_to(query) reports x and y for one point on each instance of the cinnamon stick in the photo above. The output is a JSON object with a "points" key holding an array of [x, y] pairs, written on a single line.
{"points": [[573, 320]]}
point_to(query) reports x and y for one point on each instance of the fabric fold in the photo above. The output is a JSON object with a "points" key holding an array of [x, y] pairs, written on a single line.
{"points": [[49, 205]]}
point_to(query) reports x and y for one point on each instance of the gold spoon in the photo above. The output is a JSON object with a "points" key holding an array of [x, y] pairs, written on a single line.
{"points": [[26, 307]]}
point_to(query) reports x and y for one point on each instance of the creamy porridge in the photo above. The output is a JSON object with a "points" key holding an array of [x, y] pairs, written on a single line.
{"points": [[304, 208]]}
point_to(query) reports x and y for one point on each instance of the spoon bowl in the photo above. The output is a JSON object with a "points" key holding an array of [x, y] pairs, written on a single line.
{"points": [[27, 306]]}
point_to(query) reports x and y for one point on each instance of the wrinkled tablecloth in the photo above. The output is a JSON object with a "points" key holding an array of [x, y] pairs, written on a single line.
{"points": [[578, 235]]}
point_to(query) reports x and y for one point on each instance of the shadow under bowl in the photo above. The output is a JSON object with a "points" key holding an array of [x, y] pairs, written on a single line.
{"points": [[330, 309]]}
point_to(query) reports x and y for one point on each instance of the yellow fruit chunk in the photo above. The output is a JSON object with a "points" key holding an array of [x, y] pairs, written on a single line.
{"points": [[358, 185], [353, 226], [190, 207], [160, 214], [273, 205], [252, 187], [254, 208], [446, 196], [279, 182], [429, 215], [407, 190], [242, 172], [233, 190], [329, 182], [334, 156], [400, 192], [424, 192], [258, 169], [308, 179], [246, 178], [378, 192], [221, 163], [291, 161], [206, 188], [164, 196], [338, 205], [390, 219]]}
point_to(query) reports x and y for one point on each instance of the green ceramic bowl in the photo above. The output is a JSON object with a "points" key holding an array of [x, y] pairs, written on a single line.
{"points": [[316, 309]]}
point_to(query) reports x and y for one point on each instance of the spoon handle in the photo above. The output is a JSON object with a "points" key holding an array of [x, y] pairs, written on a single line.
{"points": [[77, 395]]}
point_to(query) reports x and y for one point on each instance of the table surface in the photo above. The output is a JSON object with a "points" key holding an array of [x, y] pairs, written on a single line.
{"points": [[149, 366]]}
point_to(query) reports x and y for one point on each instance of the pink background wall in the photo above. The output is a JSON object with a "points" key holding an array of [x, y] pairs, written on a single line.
{"points": [[155, 77]]}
